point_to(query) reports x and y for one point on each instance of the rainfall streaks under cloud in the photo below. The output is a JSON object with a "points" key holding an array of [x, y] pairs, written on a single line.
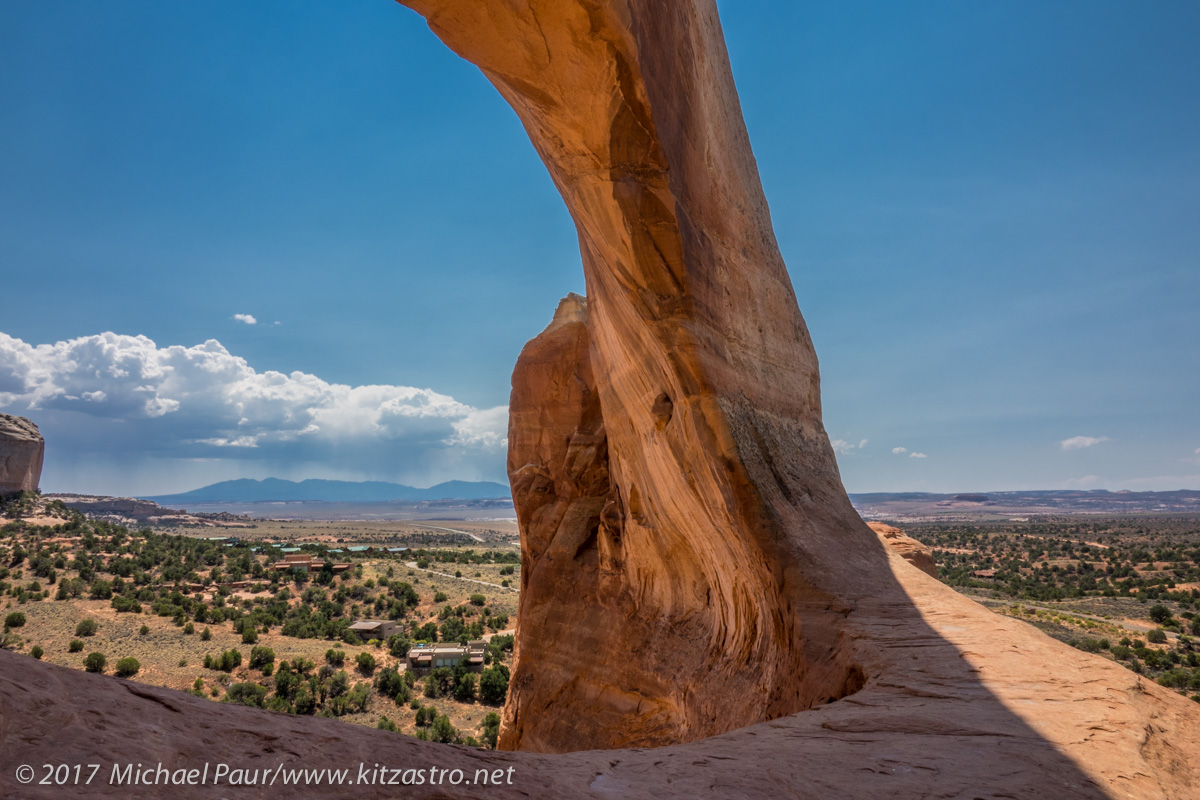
{"points": [[118, 394]]}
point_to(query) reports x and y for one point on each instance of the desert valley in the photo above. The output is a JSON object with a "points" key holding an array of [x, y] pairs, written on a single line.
{"points": [[673, 595]]}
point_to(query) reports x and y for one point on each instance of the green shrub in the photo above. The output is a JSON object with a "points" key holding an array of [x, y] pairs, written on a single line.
{"points": [[126, 605], [440, 597], [389, 682], [491, 729], [442, 730], [261, 656], [205, 635], [37, 651], [339, 684], [76, 646], [1175, 678], [128, 666], [86, 627], [95, 662], [398, 645], [228, 661], [305, 702], [366, 663], [249, 635], [464, 689], [478, 600], [1157, 636], [247, 694], [142, 631], [335, 657], [14, 620], [493, 684], [359, 697]]}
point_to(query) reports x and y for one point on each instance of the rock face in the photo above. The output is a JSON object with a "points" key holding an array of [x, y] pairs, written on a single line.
{"points": [[691, 563], [718, 497], [909, 548], [21, 452]]}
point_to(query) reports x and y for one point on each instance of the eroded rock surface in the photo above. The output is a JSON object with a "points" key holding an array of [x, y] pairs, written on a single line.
{"points": [[21, 453], [909, 548], [964, 704], [700, 573], [691, 563]]}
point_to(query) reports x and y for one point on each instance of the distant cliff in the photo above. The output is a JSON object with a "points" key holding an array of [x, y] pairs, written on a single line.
{"points": [[21, 451]]}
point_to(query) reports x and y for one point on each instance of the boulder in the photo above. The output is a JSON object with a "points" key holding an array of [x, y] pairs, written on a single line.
{"points": [[21, 452], [910, 549]]}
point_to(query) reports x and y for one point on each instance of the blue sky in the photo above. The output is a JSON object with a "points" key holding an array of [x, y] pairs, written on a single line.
{"points": [[990, 211]]}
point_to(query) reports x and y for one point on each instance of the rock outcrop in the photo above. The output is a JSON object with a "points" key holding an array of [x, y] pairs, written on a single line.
{"points": [[975, 705], [691, 563], [21, 453], [909, 548]]}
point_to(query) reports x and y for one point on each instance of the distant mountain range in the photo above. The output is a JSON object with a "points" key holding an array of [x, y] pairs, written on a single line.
{"points": [[275, 490], [902, 505]]}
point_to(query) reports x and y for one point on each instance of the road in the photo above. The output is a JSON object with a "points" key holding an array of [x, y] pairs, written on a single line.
{"points": [[474, 536], [413, 565]]}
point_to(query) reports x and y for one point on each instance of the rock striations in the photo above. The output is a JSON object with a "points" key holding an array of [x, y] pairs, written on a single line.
{"points": [[691, 563], [694, 578], [21, 452], [909, 548]]}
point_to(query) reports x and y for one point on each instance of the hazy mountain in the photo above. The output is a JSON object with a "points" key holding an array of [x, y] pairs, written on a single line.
{"points": [[910, 505], [247, 490]]}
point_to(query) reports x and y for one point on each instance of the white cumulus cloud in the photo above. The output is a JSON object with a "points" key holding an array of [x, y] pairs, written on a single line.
{"points": [[1080, 442], [899, 450], [112, 393], [917, 455], [844, 447], [247, 318]]}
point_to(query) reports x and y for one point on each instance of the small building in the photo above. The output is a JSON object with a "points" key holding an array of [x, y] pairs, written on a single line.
{"points": [[425, 657], [305, 562], [368, 629]]}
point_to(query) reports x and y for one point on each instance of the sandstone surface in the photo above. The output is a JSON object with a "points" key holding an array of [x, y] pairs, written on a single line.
{"points": [[691, 563], [21, 453], [694, 576], [969, 705], [909, 548]]}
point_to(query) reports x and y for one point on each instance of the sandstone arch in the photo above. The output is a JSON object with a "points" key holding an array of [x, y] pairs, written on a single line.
{"points": [[691, 561], [694, 544], [690, 371]]}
